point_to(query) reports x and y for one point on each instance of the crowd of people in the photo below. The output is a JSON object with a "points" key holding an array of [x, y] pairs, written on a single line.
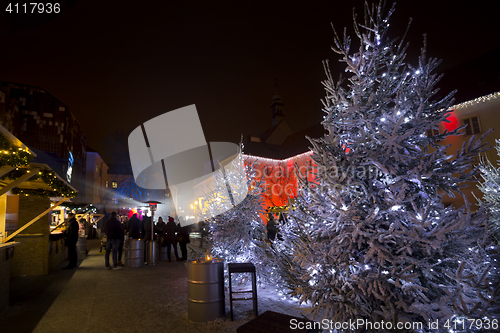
{"points": [[117, 228], [169, 235], [166, 234]]}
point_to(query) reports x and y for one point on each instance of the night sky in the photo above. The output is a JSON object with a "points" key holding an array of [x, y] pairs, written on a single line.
{"points": [[117, 64]]}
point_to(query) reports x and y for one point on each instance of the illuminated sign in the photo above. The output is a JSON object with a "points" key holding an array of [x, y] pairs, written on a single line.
{"points": [[70, 167]]}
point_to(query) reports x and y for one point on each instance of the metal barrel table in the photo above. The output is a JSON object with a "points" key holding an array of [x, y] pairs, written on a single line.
{"points": [[81, 247], [163, 253], [205, 290], [134, 252]]}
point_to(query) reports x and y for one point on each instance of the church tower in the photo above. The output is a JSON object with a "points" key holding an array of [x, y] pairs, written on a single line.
{"points": [[277, 114]]}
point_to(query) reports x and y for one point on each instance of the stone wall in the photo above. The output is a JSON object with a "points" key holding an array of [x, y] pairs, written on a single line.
{"points": [[57, 253], [32, 256], [4, 280]]}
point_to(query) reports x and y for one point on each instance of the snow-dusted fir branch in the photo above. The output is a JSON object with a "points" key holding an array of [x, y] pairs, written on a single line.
{"points": [[370, 237], [238, 234], [490, 187]]}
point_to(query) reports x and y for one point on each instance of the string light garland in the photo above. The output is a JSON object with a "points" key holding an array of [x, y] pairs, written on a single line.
{"points": [[479, 100], [58, 187], [20, 158], [272, 160], [277, 209]]}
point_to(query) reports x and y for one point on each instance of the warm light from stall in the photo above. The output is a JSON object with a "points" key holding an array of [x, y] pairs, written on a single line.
{"points": [[208, 256]]}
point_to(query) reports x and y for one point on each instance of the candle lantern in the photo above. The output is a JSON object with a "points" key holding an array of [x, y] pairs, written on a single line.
{"points": [[208, 256]]}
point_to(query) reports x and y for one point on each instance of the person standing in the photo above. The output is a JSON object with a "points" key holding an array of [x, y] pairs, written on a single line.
{"points": [[114, 235], [271, 227], [144, 222], [183, 238], [70, 240], [160, 226], [170, 229], [134, 227], [124, 225]]}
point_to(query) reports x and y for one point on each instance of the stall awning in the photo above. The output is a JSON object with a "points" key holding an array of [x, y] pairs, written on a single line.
{"points": [[20, 175]]}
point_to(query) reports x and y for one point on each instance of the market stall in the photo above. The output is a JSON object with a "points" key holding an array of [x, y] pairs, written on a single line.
{"points": [[28, 193]]}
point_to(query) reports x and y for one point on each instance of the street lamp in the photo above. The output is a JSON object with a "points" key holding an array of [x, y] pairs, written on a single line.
{"points": [[151, 248]]}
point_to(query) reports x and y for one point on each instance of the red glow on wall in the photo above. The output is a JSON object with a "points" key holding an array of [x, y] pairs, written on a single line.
{"points": [[280, 181], [453, 122]]}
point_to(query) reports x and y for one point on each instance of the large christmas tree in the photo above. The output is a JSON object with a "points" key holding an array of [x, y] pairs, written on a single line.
{"points": [[370, 238]]}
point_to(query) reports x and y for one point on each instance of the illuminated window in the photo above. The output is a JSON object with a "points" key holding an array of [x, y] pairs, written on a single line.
{"points": [[473, 125], [114, 184], [96, 169], [107, 183]]}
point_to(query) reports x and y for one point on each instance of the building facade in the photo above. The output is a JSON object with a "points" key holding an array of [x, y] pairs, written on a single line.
{"points": [[480, 115], [95, 179], [45, 123]]}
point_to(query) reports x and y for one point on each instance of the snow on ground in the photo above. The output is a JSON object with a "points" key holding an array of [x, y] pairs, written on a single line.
{"points": [[147, 299], [269, 299]]}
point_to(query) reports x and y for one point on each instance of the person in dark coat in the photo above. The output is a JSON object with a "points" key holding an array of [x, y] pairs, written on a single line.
{"points": [[271, 227], [70, 240], [170, 229], [114, 233], [124, 224], [183, 236], [143, 226], [134, 227]]}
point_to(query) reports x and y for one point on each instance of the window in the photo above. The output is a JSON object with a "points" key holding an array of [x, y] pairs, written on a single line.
{"points": [[432, 132], [114, 184], [96, 169], [107, 183], [473, 125]]}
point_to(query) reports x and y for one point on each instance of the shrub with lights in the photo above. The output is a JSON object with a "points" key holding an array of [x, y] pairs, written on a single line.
{"points": [[238, 234]]}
